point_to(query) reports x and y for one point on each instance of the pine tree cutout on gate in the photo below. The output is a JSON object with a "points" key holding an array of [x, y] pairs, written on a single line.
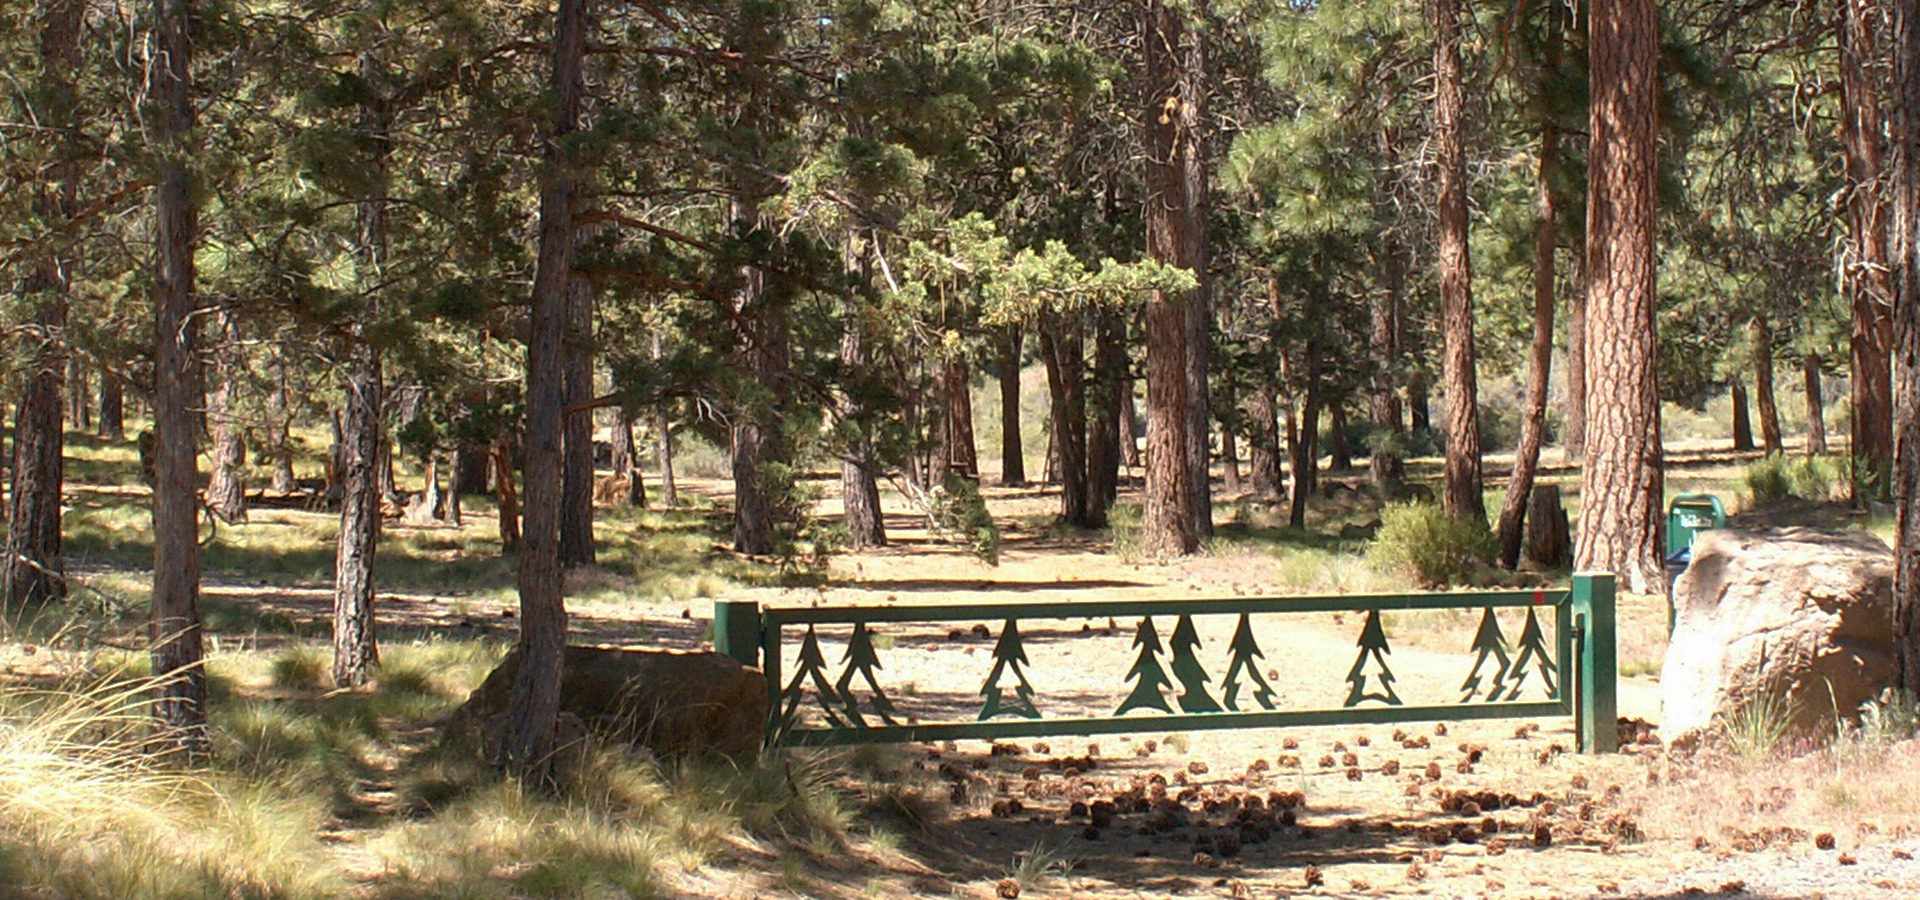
{"points": [[1243, 652], [1152, 679], [1008, 652], [1372, 644]]}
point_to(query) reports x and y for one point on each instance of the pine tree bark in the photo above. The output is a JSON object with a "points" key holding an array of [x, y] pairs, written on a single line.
{"points": [[79, 395], [1168, 524], [35, 568], [1533, 418], [1013, 462], [113, 417], [1385, 466], [534, 705], [859, 486], [1339, 442], [1906, 280], [1622, 484], [1194, 152], [1062, 348], [963, 453], [1103, 428], [576, 429], [625, 460], [506, 495], [1865, 279], [362, 430], [180, 704], [1461, 497], [1129, 427], [1742, 418], [1419, 402], [1763, 385], [1263, 451], [1230, 456], [1816, 405], [226, 485], [1303, 442], [1574, 443]]}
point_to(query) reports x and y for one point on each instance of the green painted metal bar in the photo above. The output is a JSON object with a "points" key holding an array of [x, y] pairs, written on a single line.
{"points": [[1593, 605], [1011, 728], [736, 630], [770, 668], [847, 615]]}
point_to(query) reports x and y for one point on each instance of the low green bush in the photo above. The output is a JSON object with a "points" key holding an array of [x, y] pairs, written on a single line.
{"points": [[1423, 544], [1777, 477]]}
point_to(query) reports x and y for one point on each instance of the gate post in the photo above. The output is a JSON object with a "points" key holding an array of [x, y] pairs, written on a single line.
{"points": [[736, 630], [1593, 594]]}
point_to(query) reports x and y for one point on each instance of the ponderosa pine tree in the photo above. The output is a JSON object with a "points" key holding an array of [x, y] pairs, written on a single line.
{"points": [[1460, 495], [534, 704], [1621, 487], [35, 569], [1168, 527], [1866, 277], [180, 704], [1906, 281]]}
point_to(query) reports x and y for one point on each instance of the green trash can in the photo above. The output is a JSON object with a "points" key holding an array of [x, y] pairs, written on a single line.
{"points": [[1687, 516]]}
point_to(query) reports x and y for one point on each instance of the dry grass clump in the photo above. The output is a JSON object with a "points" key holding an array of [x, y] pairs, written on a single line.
{"points": [[86, 813]]}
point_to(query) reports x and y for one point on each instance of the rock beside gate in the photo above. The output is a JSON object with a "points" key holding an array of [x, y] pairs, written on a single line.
{"points": [[1795, 615], [676, 704]]}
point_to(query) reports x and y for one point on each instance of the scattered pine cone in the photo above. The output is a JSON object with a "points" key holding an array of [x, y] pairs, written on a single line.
{"points": [[1197, 767], [1823, 840], [1496, 847], [1433, 771], [1416, 871], [1354, 773], [1315, 877], [1390, 767], [1008, 889], [1846, 859], [1290, 744], [1440, 729], [1327, 762], [1350, 759]]}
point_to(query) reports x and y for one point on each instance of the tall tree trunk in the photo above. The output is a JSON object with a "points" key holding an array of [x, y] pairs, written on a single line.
{"points": [[457, 463], [279, 426], [1622, 486], [362, 429], [1461, 497], [1103, 429], [1386, 468], [534, 704], [663, 446], [1061, 346], [625, 461], [226, 486], [1742, 418], [1763, 385], [180, 704], [1229, 456], [1168, 527], [1816, 406], [78, 396], [113, 418], [34, 567], [576, 429], [1303, 442], [963, 453], [1419, 401], [506, 495], [1340, 446], [1129, 426], [1575, 440], [1866, 274], [758, 445], [859, 486], [1906, 259], [1263, 451], [1194, 148], [1013, 462], [1533, 419]]}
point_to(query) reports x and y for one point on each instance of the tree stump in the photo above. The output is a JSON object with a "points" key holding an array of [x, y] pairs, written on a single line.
{"points": [[1549, 541]]}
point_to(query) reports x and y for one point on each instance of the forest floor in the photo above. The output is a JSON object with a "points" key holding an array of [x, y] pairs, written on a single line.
{"points": [[360, 790]]}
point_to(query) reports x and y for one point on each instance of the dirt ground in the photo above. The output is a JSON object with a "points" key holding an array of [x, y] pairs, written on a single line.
{"points": [[1499, 809]]}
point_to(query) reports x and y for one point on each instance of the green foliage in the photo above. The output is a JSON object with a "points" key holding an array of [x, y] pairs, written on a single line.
{"points": [[956, 508], [1422, 543], [1778, 477]]}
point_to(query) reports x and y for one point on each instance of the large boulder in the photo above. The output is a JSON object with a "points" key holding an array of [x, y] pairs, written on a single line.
{"points": [[1800, 615], [674, 703]]}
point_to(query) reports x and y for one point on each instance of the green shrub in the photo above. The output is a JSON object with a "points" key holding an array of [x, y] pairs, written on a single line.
{"points": [[1421, 542], [959, 510], [1777, 477]]}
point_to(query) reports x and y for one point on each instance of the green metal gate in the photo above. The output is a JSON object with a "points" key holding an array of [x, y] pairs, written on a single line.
{"points": [[1575, 667]]}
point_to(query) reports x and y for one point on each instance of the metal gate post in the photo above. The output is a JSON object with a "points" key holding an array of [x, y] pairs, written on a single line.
{"points": [[1593, 605], [736, 630]]}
